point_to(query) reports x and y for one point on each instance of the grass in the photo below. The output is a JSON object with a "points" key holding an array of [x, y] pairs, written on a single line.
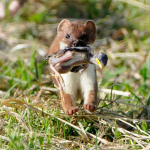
{"points": [[30, 113]]}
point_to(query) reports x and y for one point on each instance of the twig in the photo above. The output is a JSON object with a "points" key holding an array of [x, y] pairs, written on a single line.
{"points": [[116, 92], [49, 89], [101, 90]]}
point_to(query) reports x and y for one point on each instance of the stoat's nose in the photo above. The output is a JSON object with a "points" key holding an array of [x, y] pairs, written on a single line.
{"points": [[78, 43]]}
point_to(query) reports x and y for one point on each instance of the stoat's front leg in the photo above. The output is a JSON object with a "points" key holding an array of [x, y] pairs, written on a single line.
{"points": [[71, 81], [88, 86], [66, 90]]}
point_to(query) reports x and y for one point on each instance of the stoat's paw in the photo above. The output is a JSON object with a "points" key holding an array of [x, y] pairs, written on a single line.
{"points": [[89, 107], [72, 110]]}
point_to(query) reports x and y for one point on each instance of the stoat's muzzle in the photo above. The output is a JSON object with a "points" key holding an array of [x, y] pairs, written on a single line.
{"points": [[78, 43]]}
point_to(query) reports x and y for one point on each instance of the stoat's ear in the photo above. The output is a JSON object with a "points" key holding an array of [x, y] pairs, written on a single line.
{"points": [[63, 25], [90, 26], [91, 30]]}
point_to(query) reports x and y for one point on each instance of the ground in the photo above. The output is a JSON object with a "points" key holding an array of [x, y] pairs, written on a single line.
{"points": [[31, 116]]}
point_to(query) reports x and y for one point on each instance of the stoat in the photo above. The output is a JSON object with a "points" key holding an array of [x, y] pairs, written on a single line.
{"points": [[77, 85]]}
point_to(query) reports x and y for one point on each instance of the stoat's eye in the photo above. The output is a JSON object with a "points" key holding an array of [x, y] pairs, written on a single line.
{"points": [[67, 36]]}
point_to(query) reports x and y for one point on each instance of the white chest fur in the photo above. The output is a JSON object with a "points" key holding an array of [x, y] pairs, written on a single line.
{"points": [[84, 82]]}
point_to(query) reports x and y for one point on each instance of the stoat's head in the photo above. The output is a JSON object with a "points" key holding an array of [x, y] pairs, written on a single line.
{"points": [[74, 34]]}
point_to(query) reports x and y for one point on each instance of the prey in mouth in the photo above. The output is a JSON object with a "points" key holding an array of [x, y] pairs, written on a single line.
{"points": [[76, 59]]}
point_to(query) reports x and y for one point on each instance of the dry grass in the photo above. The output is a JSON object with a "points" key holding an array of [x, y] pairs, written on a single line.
{"points": [[31, 116]]}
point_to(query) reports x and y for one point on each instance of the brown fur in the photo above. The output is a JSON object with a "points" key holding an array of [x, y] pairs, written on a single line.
{"points": [[82, 34]]}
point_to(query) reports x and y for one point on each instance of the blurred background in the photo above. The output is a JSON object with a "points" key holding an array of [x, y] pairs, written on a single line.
{"points": [[27, 28]]}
